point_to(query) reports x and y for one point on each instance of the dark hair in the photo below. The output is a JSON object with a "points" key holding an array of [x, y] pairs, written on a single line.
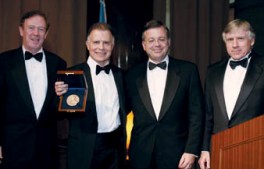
{"points": [[100, 26], [34, 13], [154, 24]]}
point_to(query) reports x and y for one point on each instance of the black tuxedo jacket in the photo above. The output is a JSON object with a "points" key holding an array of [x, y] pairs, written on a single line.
{"points": [[27, 142], [250, 102], [83, 127], [178, 128]]}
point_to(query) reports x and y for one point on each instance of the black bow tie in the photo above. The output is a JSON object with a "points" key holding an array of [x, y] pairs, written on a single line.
{"points": [[105, 68], [233, 64], [161, 65], [37, 56]]}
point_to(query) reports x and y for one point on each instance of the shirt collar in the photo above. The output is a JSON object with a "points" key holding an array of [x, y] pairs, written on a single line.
{"points": [[246, 56], [92, 64], [166, 59], [24, 50]]}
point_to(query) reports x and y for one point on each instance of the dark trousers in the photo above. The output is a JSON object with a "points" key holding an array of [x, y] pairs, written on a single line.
{"points": [[157, 161], [106, 154]]}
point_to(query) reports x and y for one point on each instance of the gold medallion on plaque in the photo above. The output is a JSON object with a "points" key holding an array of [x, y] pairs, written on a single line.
{"points": [[76, 97], [73, 100]]}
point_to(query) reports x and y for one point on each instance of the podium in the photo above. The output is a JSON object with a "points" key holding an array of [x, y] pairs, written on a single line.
{"points": [[240, 147]]}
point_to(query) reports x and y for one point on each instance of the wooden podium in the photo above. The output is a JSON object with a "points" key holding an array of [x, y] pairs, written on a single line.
{"points": [[240, 147]]}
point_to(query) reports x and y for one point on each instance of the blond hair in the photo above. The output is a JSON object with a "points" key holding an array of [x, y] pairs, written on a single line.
{"points": [[238, 24]]}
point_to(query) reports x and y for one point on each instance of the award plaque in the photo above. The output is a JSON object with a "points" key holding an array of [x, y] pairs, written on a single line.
{"points": [[74, 100]]}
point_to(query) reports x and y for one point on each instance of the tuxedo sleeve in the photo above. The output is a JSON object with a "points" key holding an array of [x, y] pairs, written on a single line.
{"points": [[2, 93], [195, 113], [127, 94], [208, 115]]}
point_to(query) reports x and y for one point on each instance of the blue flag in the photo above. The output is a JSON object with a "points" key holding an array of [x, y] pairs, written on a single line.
{"points": [[102, 14]]}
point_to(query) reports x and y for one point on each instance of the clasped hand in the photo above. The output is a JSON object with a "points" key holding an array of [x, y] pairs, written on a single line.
{"points": [[60, 88]]}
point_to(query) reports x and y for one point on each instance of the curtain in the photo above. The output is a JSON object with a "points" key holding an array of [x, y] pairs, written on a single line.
{"points": [[196, 27]]}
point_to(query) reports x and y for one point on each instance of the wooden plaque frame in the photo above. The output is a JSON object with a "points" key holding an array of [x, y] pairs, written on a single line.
{"points": [[75, 98]]}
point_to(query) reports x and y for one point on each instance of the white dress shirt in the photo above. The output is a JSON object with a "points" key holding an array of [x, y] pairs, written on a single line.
{"points": [[156, 79], [37, 79], [233, 81], [106, 99]]}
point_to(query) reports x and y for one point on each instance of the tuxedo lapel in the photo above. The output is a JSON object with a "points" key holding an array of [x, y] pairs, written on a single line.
{"points": [[91, 97], [18, 72], [142, 86], [171, 87], [119, 85], [51, 79], [253, 73], [219, 87]]}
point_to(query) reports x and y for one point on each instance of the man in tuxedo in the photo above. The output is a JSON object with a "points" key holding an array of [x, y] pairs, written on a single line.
{"points": [[27, 98], [165, 95], [234, 87], [97, 137]]}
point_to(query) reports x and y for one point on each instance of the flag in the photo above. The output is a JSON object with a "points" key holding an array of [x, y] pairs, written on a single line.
{"points": [[102, 14]]}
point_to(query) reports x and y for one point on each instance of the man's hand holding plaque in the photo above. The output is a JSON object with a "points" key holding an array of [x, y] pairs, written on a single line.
{"points": [[72, 89], [60, 88]]}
